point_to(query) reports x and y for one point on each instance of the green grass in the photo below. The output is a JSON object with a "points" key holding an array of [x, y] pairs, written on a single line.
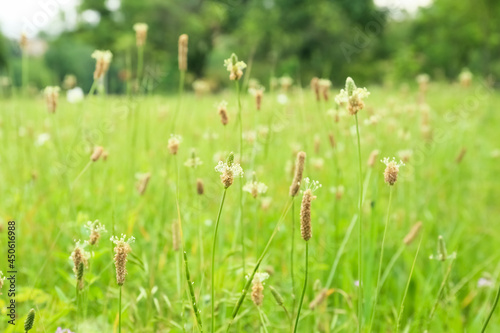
{"points": [[457, 201]]}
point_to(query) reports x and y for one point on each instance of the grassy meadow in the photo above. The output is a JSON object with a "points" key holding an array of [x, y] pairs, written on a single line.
{"points": [[448, 140]]}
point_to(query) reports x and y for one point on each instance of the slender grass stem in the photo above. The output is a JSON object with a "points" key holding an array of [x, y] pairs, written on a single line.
{"points": [[401, 308], [81, 173], [25, 69], [440, 291], [303, 289], [242, 231], [213, 257], [292, 250], [93, 87], [378, 286], [140, 64], [262, 321], [257, 265], [360, 236], [191, 293], [495, 303], [120, 312]]}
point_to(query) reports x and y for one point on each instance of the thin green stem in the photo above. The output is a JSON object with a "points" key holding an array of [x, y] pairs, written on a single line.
{"points": [[495, 303], [120, 312], [213, 257], [81, 173], [303, 289], [24, 61], [140, 64], [401, 308], [191, 292], [360, 236], [378, 286], [242, 231], [93, 87], [440, 291], [292, 250]]}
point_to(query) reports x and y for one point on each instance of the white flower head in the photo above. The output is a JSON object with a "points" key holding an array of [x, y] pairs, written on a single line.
{"points": [[122, 240], [352, 97], [95, 226], [312, 185], [255, 188], [74, 95], [229, 170], [260, 277], [42, 139], [234, 67]]}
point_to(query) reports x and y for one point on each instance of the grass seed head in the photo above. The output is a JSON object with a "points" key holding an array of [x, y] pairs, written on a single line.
{"points": [[352, 97], [258, 288], [373, 158], [461, 155], [222, 111], [96, 154], [331, 138], [391, 170], [183, 52], [122, 249], [299, 172], [143, 183], [173, 143], [51, 97], [277, 296], [305, 215], [229, 170], [200, 188], [30, 320], [414, 231], [23, 41], [315, 88], [103, 60], [234, 67], [141, 33]]}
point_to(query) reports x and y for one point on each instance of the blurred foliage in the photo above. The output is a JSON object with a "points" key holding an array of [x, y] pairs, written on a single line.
{"points": [[299, 38]]}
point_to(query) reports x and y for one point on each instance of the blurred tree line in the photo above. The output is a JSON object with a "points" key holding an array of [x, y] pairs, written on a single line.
{"points": [[299, 38]]}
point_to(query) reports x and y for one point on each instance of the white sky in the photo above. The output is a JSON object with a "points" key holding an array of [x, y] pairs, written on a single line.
{"points": [[32, 16]]}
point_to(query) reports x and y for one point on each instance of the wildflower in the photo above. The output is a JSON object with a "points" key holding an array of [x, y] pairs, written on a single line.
{"points": [[95, 228], [413, 233], [299, 171], [200, 189], [142, 185], [285, 82], [96, 154], [80, 260], [315, 88], [103, 59], [324, 85], [372, 158], [30, 320], [51, 97], [74, 95], [194, 161], [229, 170], [257, 93], [42, 139], [224, 118], [141, 32], [122, 249], [258, 287], [352, 97], [442, 254], [305, 209], [255, 188], [23, 41], [465, 77], [484, 283], [391, 170], [173, 143], [183, 51], [234, 67]]}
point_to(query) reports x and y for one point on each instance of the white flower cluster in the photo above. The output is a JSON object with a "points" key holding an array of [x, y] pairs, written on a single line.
{"points": [[122, 240], [235, 169]]}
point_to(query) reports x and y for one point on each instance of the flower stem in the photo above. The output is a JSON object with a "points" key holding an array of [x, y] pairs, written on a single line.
{"points": [[191, 292], [213, 257], [242, 231], [497, 297], [303, 289], [292, 250], [360, 236], [120, 312], [378, 286]]}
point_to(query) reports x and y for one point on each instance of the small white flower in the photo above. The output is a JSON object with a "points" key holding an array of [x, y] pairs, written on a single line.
{"points": [[282, 99], [122, 240], [255, 188], [352, 97], [42, 139], [260, 277], [235, 169], [484, 283], [96, 226], [312, 185], [74, 95]]}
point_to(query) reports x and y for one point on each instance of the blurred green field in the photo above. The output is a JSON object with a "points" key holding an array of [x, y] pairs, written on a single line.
{"points": [[42, 154]]}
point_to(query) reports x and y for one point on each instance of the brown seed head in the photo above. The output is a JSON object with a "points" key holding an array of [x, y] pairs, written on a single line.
{"points": [[121, 252], [143, 183], [224, 118], [299, 172], [461, 155], [320, 298], [96, 154], [373, 158], [200, 188], [183, 51], [391, 170], [305, 215], [410, 237], [315, 88], [23, 41], [141, 33], [331, 137]]}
